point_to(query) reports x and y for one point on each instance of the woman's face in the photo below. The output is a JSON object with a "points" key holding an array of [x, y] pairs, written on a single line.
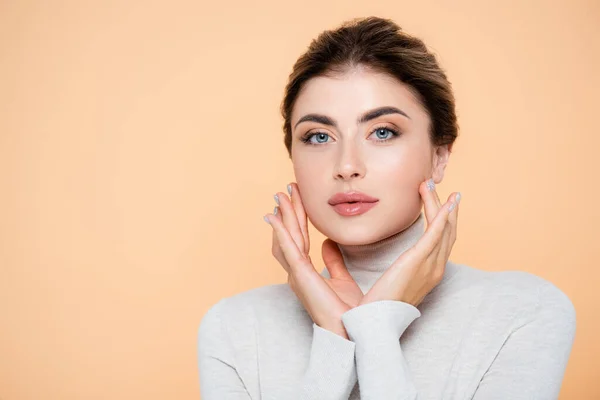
{"points": [[345, 155]]}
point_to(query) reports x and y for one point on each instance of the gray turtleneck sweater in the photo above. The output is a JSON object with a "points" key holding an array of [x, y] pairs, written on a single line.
{"points": [[477, 335]]}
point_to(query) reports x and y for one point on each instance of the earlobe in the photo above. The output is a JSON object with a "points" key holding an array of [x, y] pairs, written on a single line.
{"points": [[438, 174], [440, 161]]}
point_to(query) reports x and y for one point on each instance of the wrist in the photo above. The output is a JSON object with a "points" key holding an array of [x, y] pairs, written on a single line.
{"points": [[336, 327]]}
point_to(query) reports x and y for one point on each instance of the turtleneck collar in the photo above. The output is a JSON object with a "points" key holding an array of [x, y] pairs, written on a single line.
{"points": [[367, 262]]}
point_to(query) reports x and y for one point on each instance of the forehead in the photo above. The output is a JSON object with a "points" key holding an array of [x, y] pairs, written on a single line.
{"points": [[345, 96]]}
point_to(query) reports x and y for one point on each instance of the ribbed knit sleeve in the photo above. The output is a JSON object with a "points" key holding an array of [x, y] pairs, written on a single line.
{"points": [[330, 374], [375, 328]]}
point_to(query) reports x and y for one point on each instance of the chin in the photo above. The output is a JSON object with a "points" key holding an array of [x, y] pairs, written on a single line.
{"points": [[354, 233], [365, 229]]}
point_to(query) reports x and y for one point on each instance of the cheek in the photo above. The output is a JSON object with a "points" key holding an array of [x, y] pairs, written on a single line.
{"points": [[311, 170], [311, 181], [399, 177], [405, 169]]}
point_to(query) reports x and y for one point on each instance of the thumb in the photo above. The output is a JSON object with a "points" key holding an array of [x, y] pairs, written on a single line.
{"points": [[332, 257]]}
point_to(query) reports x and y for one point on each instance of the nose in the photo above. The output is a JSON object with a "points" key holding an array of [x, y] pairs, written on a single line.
{"points": [[349, 164]]}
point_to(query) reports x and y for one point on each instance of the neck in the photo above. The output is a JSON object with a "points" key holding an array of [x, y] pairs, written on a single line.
{"points": [[367, 262]]}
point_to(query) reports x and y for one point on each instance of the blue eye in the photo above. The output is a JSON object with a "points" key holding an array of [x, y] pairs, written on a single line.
{"points": [[383, 129], [318, 135], [322, 137]]}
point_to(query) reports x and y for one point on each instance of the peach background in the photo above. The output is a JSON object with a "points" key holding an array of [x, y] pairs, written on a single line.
{"points": [[140, 145]]}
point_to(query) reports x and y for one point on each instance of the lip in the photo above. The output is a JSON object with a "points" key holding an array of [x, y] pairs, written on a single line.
{"points": [[348, 209], [352, 203], [353, 196]]}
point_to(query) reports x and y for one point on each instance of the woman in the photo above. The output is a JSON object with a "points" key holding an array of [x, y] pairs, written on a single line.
{"points": [[369, 126]]}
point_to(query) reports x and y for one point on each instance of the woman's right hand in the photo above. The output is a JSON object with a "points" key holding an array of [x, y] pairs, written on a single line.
{"points": [[324, 299]]}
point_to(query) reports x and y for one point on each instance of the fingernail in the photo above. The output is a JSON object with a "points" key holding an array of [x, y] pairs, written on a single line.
{"points": [[452, 205], [289, 187], [430, 184], [266, 220], [275, 210], [458, 196], [276, 199]]}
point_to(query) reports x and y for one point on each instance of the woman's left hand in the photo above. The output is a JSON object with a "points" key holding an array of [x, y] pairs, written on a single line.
{"points": [[419, 269]]}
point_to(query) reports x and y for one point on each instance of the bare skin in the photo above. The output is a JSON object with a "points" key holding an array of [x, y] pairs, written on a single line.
{"points": [[367, 131], [409, 279]]}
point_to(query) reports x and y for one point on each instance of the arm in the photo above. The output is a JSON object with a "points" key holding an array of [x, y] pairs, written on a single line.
{"points": [[330, 374], [376, 329], [531, 363], [218, 376]]}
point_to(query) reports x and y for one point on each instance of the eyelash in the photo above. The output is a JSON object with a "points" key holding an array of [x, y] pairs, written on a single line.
{"points": [[306, 138]]}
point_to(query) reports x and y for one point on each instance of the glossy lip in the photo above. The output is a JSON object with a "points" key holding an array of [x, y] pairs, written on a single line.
{"points": [[352, 196], [349, 209]]}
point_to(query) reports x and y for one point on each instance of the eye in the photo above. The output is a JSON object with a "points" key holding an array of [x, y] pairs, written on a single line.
{"points": [[322, 137], [383, 130]]}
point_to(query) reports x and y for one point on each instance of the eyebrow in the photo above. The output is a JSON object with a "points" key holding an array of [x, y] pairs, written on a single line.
{"points": [[367, 116]]}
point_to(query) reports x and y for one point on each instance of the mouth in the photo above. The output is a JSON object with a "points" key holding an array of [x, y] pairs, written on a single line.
{"points": [[351, 197], [352, 208]]}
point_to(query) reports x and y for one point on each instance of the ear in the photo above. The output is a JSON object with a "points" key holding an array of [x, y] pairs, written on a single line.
{"points": [[440, 159]]}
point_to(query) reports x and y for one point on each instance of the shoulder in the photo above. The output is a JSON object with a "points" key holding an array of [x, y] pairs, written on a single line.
{"points": [[245, 307], [547, 296], [548, 314], [518, 283], [524, 291], [268, 298]]}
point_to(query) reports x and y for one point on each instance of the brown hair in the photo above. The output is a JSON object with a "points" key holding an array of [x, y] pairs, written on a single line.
{"points": [[380, 44]]}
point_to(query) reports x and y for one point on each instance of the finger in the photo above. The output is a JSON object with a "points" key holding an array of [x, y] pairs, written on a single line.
{"points": [[290, 220], [450, 238], [432, 236], [334, 261], [445, 247], [276, 248], [435, 260], [432, 205], [293, 256], [438, 253], [436, 197], [300, 214]]}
